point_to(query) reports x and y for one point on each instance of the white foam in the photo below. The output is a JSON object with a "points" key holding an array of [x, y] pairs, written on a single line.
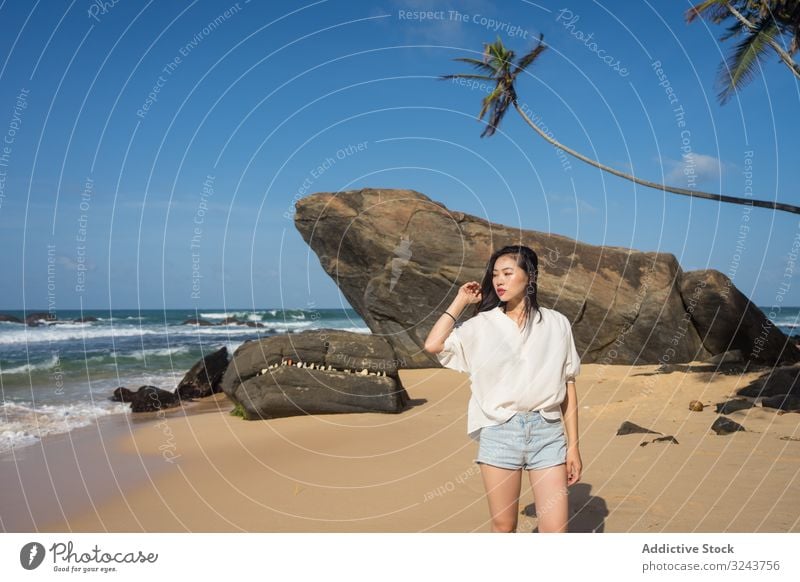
{"points": [[52, 362], [60, 334], [21, 424]]}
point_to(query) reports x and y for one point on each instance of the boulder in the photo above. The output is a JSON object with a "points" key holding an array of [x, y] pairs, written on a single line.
{"points": [[786, 402], [782, 380], [196, 321], [146, 398], [203, 379], [629, 427], [399, 258], [723, 426], [38, 317], [10, 318], [314, 372]]}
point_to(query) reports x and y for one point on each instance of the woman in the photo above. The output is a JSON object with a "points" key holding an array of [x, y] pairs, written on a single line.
{"points": [[522, 363]]}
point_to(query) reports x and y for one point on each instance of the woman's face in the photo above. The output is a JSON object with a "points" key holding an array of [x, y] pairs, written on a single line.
{"points": [[509, 280]]}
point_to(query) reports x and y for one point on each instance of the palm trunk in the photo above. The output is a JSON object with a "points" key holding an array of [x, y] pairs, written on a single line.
{"points": [[674, 190]]}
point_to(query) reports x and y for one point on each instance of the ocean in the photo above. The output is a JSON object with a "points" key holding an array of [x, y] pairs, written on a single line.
{"points": [[58, 377]]}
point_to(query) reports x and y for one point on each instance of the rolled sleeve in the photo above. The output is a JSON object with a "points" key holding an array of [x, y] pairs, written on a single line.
{"points": [[453, 356], [573, 364]]}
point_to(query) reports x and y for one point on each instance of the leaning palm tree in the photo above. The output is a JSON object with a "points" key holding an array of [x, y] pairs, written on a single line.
{"points": [[762, 23], [497, 66]]}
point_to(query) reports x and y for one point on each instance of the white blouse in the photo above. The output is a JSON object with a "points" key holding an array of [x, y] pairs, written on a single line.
{"points": [[511, 370]]}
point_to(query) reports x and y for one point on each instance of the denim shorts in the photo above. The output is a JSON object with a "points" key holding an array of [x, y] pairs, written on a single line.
{"points": [[525, 441]]}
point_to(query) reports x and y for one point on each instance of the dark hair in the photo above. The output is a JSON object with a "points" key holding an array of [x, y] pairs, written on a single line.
{"points": [[526, 260]]}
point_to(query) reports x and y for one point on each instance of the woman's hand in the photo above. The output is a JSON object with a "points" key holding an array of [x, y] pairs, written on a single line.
{"points": [[574, 466], [470, 293]]}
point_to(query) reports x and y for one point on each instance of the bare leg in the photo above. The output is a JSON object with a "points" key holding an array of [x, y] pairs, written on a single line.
{"points": [[551, 496], [502, 490]]}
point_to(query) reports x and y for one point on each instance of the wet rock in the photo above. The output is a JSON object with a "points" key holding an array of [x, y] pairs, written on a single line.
{"points": [[195, 321], [205, 377], [724, 426], [39, 317], [146, 398], [10, 318], [122, 394]]}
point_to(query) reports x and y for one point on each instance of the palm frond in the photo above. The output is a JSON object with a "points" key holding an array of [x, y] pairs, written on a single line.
{"points": [[478, 64], [740, 67], [483, 77], [489, 100], [531, 56], [713, 10]]}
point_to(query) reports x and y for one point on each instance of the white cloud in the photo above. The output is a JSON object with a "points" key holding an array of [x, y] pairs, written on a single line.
{"points": [[701, 167], [72, 265]]}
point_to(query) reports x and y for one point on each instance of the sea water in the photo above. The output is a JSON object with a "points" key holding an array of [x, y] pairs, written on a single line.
{"points": [[59, 376]]}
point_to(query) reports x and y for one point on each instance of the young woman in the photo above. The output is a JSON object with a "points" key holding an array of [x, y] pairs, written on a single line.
{"points": [[522, 363]]}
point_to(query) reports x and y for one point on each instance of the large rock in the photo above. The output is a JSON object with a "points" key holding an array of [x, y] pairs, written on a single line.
{"points": [[400, 257], [146, 398], [203, 379], [338, 371]]}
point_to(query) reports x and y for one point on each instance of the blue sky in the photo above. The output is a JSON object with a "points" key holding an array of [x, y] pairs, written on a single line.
{"points": [[130, 121]]}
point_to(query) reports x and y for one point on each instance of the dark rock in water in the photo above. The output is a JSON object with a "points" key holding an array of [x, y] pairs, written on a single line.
{"points": [[783, 380], [122, 394], [10, 318], [146, 398], [203, 379], [787, 402], [398, 257], [724, 426], [230, 321], [732, 406], [668, 438], [36, 318], [314, 372], [254, 324], [195, 321], [630, 428], [85, 319]]}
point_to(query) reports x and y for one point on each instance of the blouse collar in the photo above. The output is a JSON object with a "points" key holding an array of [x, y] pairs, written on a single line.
{"points": [[501, 314]]}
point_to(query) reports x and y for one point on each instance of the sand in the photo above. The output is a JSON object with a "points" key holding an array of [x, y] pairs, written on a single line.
{"points": [[203, 470]]}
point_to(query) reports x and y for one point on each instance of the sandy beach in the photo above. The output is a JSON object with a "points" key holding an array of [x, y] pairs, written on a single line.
{"points": [[203, 470]]}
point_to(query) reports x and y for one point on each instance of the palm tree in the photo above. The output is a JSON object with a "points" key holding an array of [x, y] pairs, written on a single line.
{"points": [[497, 66], [763, 23]]}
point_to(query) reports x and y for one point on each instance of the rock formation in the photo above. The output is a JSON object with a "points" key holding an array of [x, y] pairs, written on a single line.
{"points": [[400, 257], [314, 372]]}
